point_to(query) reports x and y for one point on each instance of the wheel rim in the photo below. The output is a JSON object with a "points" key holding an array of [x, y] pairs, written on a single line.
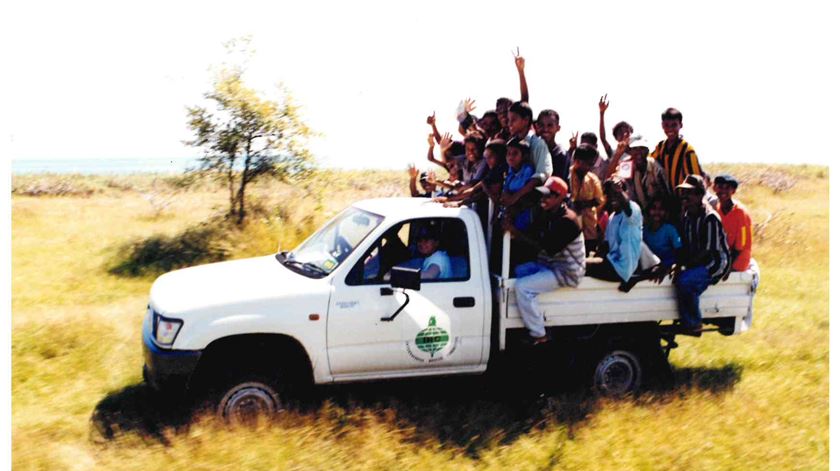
{"points": [[617, 374], [246, 403]]}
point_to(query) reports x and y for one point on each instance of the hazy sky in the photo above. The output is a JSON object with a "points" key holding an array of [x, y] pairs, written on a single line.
{"points": [[755, 82]]}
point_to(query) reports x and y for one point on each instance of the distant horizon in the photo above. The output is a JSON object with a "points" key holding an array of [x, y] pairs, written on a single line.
{"points": [[134, 165]]}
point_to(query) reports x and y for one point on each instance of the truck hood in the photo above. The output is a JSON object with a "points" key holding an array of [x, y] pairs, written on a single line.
{"points": [[228, 283]]}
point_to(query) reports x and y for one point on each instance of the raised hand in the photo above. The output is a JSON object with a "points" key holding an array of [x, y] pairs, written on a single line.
{"points": [[603, 104], [518, 60], [445, 142], [412, 171], [573, 141], [430, 120], [469, 105]]}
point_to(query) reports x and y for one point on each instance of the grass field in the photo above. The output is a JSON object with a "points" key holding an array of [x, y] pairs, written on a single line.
{"points": [[756, 401]]}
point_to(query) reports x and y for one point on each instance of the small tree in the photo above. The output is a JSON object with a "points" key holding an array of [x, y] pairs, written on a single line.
{"points": [[245, 136]]}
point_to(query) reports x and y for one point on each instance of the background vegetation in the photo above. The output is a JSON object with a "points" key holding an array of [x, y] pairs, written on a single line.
{"points": [[86, 249]]}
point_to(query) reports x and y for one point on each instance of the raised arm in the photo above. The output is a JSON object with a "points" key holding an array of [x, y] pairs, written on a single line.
{"points": [[430, 156], [613, 165], [603, 104], [520, 69], [412, 182], [430, 120]]}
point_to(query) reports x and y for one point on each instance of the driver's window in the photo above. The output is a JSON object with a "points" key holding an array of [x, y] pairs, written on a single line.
{"points": [[437, 246], [389, 250]]}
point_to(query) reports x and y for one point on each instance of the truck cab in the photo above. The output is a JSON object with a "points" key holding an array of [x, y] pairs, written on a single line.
{"points": [[338, 309]]}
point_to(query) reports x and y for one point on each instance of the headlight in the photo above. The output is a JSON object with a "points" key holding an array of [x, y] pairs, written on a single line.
{"points": [[166, 329]]}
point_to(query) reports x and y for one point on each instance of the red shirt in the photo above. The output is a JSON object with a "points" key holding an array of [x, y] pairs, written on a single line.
{"points": [[738, 227]]}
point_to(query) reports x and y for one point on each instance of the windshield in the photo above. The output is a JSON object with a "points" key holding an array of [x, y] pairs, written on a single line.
{"points": [[322, 252]]}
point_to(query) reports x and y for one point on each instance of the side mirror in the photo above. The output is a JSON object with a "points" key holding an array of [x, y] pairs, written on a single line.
{"points": [[405, 278]]}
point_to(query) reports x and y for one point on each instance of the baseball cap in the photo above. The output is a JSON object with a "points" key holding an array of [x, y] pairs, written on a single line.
{"points": [[424, 177], [637, 140], [726, 179], [694, 183], [428, 231], [554, 185]]}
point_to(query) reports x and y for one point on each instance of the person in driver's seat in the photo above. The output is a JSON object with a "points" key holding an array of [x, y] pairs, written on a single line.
{"points": [[436, 263]]}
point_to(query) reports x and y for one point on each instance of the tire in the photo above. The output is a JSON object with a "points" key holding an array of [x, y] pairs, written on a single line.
{"points": [[617, 373], [247, 401]]}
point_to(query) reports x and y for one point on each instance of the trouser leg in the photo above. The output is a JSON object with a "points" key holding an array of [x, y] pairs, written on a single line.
{"points": [[690, 285], [527, 290]]}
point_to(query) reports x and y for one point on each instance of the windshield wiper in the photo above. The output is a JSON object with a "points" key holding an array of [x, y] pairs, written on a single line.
{"points": [[308, 266]]}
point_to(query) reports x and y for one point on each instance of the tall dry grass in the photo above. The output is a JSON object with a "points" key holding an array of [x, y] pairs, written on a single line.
{"points": [[758, 401]]}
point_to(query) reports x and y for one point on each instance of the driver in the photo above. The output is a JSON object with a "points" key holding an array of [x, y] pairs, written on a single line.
{"points": [[435, 262]]}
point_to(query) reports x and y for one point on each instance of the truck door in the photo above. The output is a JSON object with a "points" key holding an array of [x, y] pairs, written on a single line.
{"points": [[442, 327]]}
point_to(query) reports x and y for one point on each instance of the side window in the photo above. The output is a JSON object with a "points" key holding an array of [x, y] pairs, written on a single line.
{"points": [[437, 246]]}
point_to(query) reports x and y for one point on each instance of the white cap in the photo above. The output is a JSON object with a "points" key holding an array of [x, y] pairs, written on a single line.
{"points": [[637, 140]]}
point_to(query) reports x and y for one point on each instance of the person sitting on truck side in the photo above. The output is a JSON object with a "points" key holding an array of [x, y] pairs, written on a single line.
{"points": [[558, 238], [622, 246], [621, 131], [736, 222], [436, 264], [547, 126], [705, 257], [586, 194]]}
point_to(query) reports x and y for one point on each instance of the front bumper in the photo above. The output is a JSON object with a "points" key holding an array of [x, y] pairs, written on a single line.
{"points": [[167, 371]]}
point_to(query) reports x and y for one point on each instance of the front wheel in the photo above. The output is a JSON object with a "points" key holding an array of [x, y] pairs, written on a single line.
{"points": [[246, 402], [617, 373]]}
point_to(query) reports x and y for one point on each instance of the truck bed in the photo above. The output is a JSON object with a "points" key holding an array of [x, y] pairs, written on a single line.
{"points": [[600, 302]]}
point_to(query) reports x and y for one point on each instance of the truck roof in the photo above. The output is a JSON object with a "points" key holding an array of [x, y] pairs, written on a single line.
{"points": [[410, 207]]}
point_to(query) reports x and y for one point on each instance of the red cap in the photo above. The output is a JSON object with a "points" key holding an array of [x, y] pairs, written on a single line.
{"points": [[554, 185]]}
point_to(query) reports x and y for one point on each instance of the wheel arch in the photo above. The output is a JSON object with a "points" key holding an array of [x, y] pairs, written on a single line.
{"points": [[272, 354]]}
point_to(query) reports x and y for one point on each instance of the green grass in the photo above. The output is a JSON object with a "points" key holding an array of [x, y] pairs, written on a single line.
{"points": [[756, 401]]}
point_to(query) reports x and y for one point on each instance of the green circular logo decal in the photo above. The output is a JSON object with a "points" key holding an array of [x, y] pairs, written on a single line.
{"points": [[432, 339]]}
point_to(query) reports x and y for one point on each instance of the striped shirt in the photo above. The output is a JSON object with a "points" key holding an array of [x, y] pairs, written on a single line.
{"points": [[678, 162], [562, 246], [705, 232]]}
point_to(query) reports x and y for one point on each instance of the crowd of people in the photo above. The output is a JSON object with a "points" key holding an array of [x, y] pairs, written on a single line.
{"points": [[638, 212]]}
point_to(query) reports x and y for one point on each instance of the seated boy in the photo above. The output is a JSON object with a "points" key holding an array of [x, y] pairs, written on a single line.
{"points": [[736, 222], [561, 261], [622, 246]]}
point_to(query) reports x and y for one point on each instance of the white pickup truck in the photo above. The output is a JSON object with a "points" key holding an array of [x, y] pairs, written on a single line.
{"points": [[324, 313]]}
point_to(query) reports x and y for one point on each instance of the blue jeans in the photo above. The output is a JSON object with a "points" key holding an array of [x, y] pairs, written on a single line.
{"points": [[691, 283], [532, 279]]}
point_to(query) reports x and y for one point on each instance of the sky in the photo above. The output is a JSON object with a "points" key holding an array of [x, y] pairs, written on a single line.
{"points": [[112, 79]]}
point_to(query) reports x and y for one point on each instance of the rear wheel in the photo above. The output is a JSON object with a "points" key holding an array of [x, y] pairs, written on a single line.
{"points": [[247, 401], [617, 373]]}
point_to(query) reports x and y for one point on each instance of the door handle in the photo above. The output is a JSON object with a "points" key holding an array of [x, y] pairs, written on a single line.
{"points": [[467, 301]]}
